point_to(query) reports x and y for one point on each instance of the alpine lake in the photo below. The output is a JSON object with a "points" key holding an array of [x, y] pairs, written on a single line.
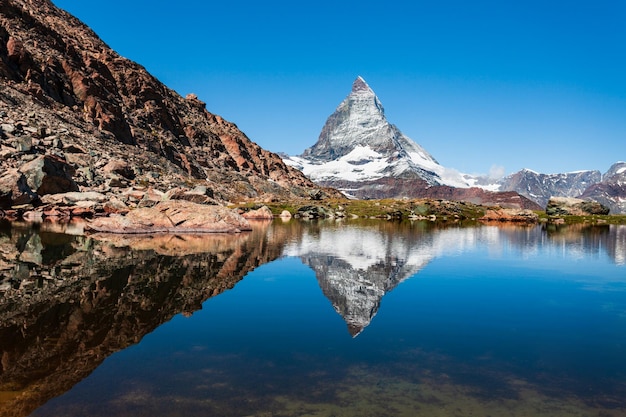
{"points": [[319, 318]]}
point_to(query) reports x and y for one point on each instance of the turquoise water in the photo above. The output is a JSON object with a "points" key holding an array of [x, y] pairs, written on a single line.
{"points": [[391, 320]]}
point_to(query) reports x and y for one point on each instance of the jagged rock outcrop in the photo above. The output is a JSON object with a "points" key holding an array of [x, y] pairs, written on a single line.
{"points": [[611, 191], [66, 95], [540, 187], [49, 174], [14, 189]]}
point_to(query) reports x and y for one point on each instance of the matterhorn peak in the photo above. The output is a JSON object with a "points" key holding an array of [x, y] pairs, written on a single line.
{"points": [[357, 144], [360, 85]]}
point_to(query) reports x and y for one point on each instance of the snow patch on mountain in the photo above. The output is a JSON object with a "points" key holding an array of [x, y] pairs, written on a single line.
{"points": [[365, 164]]}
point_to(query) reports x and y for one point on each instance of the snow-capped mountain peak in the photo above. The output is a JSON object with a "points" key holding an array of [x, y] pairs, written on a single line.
{"points": [[360, 85], [358, 144]]}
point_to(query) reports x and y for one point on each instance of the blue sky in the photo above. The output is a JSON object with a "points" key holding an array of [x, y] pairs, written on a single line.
{"points": [[482, 85]]}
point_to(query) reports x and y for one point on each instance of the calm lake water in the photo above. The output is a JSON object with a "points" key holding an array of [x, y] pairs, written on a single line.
{"points": [[315, 319]]}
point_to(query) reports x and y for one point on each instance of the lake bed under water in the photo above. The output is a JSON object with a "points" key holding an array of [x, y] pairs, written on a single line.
{"points": [[316, 319]]}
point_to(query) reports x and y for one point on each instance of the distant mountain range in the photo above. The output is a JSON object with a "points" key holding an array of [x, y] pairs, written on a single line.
{"points": [[363, 155], [608, 189]]}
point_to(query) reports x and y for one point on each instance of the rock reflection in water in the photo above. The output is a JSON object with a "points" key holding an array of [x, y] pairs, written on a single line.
{"points": [[67, 302]]}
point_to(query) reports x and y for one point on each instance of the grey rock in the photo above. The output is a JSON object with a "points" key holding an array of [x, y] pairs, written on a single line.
{"points": [[7, 128], [314, 212], [49, 175], [563, 206], [14, 189], [24, 143]]}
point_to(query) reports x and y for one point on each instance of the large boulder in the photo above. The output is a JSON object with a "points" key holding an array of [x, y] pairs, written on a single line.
{"points": [[119, 167], [175, 216], [314, 212], [569, 206], [49, 174], [262, 213], [14, 189]]}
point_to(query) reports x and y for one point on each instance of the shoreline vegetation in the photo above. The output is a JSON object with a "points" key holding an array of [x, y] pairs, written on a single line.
{"points": [[440, 211], [422, 209]]}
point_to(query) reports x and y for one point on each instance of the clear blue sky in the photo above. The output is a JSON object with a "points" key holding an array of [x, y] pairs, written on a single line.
{"points": [[526, 84]]}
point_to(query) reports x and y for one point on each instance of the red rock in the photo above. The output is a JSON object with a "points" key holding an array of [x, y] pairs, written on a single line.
{"points": [[177, 216], [119, 167], [82, 212], [509, 215], [261, 213], [113, 108]]}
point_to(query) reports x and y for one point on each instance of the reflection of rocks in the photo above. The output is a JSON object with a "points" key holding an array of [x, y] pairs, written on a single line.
{"points": [[591, 239], [68, 302]]}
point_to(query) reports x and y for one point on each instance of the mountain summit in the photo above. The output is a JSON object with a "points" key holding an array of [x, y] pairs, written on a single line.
{"points": [[357, 144], [363, 155], [360, 122]]}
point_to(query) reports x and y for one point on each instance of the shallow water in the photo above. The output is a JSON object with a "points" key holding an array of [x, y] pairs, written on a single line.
{"points": [[316, 319]]}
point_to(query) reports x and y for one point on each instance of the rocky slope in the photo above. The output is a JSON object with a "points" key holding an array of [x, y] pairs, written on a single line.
{"points": [[611, 191], [360, 153], [104, 123]]}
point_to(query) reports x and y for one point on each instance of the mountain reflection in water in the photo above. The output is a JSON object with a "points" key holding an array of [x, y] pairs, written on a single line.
{"points": [[67, 302], [357, 266]]}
